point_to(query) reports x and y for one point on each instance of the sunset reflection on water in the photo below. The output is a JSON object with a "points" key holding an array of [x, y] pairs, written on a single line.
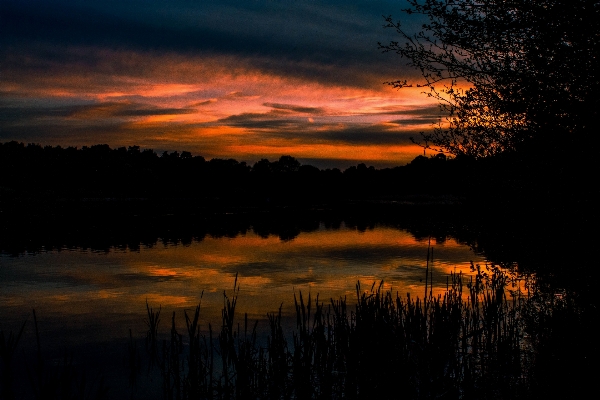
{"points": [[103, 294]]}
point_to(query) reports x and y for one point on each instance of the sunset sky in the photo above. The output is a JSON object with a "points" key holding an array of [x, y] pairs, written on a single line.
{"points": [[243, 79]]}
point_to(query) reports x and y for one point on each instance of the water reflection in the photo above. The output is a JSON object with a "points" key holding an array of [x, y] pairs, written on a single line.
{"points": [[87, 301], [99, 295]]}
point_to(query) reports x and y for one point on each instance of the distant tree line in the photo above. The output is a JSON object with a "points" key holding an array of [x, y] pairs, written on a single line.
{"points": [[102, 173]]}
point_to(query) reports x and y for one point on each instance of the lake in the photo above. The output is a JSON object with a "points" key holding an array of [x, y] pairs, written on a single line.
{"points": [[87, 299]]}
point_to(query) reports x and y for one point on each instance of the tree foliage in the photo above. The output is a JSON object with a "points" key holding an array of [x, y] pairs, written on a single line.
{"points": [[512, 74]]}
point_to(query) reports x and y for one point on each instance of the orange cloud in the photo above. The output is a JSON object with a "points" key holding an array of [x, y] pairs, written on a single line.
{"points": [[177, 102]]}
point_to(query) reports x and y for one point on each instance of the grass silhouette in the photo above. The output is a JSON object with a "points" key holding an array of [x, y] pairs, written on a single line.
{"points": [[482, 338], [470, 342]]}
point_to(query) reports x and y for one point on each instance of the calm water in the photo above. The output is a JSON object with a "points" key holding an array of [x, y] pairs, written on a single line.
{"points": [[100, 295], [88, 300]]}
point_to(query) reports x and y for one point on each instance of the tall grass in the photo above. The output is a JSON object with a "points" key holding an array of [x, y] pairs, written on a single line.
{"points": [[482, 338], [472, 342]]}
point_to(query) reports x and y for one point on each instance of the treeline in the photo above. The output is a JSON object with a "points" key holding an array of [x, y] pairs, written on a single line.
{"points": [[502, 192], [102, 173], [98, 197]]}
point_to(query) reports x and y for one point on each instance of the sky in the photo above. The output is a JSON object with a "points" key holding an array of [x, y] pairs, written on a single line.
{"points": [[242, 79]]}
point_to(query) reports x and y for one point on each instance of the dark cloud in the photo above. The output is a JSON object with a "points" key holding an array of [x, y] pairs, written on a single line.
{"points": [[236, 95], [416, 115], [356, 133], [11, 115], [204, 103], [301, 129], [26, 114], [256, 121], [154, 111], [366, 135], [431, 111], [300, 109], [330, 42], [415, 121]]}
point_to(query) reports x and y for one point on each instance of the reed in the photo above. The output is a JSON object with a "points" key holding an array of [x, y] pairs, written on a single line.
{"points": [[152, 334], [481, 339], [470, 342]]}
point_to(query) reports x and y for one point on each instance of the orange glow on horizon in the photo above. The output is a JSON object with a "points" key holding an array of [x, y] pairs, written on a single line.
{"points": [[219, 107], [399, 154]]}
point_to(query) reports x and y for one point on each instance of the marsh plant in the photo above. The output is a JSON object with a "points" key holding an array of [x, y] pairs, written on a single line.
{"points": [[477, 340], [492, 335]]}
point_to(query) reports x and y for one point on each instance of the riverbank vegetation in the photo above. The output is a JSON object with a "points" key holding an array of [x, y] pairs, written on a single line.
{"points": [[494, 335]]}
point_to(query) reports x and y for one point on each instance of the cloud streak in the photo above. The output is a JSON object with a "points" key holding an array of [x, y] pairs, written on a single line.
{"points": [[296, 76]]}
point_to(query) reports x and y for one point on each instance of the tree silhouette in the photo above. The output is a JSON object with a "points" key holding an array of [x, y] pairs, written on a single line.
{"points": [[512, 75], [287, 164]]}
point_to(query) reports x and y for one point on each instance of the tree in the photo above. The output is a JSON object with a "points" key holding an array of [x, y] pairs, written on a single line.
{"points": [[287, 164], [513, 75]]}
